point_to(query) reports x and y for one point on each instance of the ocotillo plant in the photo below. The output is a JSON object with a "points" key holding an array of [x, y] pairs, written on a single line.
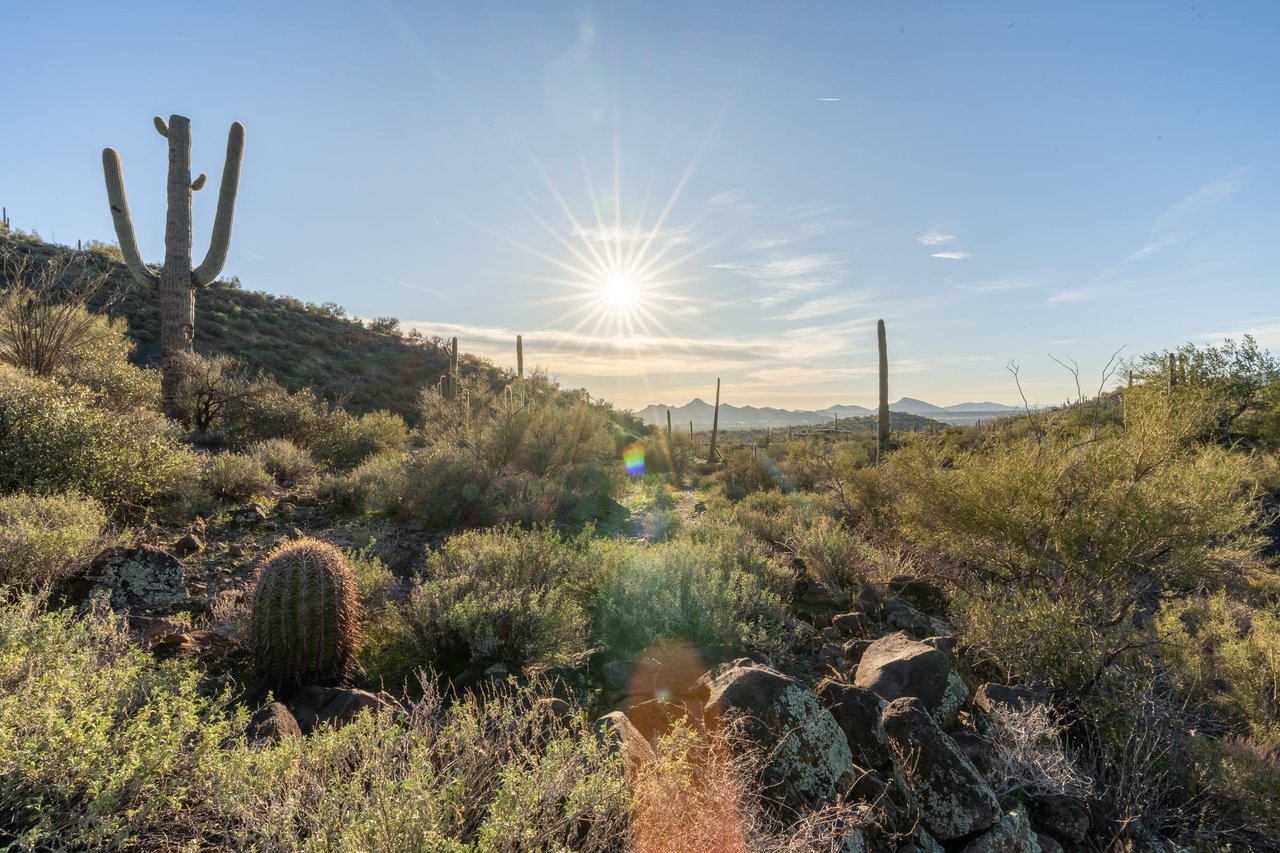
{"points": [[177, 280], [882, 418], [715, 424], [306, 616]]}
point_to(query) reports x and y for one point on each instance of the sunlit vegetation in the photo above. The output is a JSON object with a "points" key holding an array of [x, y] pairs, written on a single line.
{"points": [[1116, 553]]}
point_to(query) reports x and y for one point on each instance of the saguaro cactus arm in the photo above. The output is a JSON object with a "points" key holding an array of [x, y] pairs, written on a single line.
{"points": [[120, 216], [221, 239]]}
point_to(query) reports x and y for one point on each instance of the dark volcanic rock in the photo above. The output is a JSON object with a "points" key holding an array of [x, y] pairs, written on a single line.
{"points": [[896, 666], [950, 794], [272, 723], [857, 712]]}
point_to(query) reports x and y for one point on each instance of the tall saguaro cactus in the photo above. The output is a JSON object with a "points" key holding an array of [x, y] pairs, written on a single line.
{"points": [[177, 279], [520, 357], [882, 418], [715, 425]]}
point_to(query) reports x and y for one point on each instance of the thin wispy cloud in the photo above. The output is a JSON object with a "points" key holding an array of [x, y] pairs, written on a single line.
{"points": [[951, 256], [1181, 221], [826, 99], [822, 307], [1075, 294], [996, 285], [935, 238], [1266, 332]]}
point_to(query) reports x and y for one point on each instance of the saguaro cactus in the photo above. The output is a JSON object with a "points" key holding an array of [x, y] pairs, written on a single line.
{"points": [[177, 280], [306, 616], [520, 357], [715, 424], [882, 417]]}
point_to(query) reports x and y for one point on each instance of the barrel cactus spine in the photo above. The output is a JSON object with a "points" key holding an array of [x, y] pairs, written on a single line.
{"points": [[306, 617], [177, 280]]}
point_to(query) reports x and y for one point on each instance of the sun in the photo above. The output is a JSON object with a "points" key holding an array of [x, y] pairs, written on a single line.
{"points": [[619, 291]]}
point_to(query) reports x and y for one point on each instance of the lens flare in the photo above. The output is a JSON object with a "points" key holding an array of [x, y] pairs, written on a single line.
{"points": [[633, 458]]}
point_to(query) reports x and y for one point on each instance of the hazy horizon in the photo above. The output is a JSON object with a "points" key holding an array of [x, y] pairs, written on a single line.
{"points": [[658, 195]]}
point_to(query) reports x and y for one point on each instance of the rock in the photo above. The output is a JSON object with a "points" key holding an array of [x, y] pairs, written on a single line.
{"points": [[852, 624], [555, 707], [833, 657], [221, 659], [625, 740], [816, 594], [1011, 835], [854, 650], [920, 594], [235, 550], [189, 544], [271, 723], [922, 842], [896, 666], [296, 533], [654, 718], [900, 616], [991, 698], [1062, 816], [809, 762], [947, 790], [1048, 844], [337, 706], [857, 713], [974, 747], [251, 516], [143, 580], [945, 643], [667, 672]]}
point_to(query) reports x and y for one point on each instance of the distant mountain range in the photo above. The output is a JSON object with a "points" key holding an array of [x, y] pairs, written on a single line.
{"points": [[700, 413]]}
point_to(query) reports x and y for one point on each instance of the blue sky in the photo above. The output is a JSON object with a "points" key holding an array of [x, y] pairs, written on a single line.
{"points": [[761, 181]]}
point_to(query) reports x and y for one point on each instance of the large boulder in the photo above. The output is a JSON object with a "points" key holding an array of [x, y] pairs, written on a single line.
{"points": [[316, 706], [1011, 835], [947, 790], [809, 763], [857, 712], [625, 740], [141, 580], [1061, 815], [896, 666]]}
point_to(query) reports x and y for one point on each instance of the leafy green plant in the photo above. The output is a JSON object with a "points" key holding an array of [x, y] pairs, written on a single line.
{"points": [[237, 477], [284, 460], [44, 539]]}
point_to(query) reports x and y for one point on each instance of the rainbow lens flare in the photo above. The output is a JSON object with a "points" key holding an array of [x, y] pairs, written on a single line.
{"points": [[633, 458]]}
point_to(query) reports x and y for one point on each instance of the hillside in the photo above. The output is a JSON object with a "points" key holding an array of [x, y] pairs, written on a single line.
{"points": [[297, 343]]}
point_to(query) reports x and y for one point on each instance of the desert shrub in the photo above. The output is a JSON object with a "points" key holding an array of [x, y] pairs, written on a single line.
{"points": [[1227, 653], [345, 440], [207, 388], [102, 747], [54, 439], [745, 472], [1032, 635], [379, 484], [45, 539], [774, 517], [834, 554], [716, 585], [1027, 754], [44, 322], [237, 477], [284, 460], [674, 455], [102, 365], [503, 597], [1086, 518], [266, 409]]}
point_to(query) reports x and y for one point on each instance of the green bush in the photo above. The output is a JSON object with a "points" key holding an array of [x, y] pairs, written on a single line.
{"points": [[502, 597], [716, 585], [236, 477], [103, 748], [284, 460], [345, 441], [45, 539], [55, 439], [745, 472], [834, 554]]}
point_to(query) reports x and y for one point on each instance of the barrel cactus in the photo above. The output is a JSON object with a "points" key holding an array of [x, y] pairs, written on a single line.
{"points": [[306, 616]]}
